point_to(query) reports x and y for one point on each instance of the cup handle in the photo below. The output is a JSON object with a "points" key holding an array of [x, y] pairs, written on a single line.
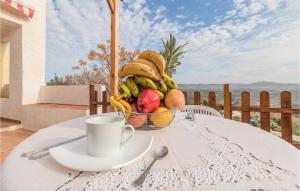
{"points": [[130, 136]]}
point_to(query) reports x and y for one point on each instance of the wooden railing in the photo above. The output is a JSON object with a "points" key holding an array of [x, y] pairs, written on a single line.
{"points": [[245, 108]]}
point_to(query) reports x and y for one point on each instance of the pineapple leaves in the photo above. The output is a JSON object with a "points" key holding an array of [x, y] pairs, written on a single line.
{"points": [[172, 54]]}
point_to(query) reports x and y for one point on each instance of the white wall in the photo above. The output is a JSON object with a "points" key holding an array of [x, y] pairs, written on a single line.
{"points": [[75, 95], [36, 117], [27, 59], [11, 107], [34, 52], [4, 68], [27, 75]]}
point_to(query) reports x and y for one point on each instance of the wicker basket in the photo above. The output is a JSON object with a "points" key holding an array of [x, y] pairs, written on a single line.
{"points": [[150, 121]]}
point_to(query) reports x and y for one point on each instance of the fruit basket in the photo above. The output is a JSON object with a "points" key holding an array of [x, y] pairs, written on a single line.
{"points": [[147, 96], [149, 121]]}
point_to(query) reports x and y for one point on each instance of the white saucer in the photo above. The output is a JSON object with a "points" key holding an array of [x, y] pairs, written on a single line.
{"points": [[74, 155]]}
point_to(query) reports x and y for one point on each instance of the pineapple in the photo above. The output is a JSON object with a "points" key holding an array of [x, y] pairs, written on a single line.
{"points": [[172, 54]]}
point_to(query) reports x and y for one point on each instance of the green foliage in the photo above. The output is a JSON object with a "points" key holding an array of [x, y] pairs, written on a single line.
{"points": [[56, 80], [97, 70], [277, 120], [172, 54], [236, 118], [296, 129], [205, 102]]}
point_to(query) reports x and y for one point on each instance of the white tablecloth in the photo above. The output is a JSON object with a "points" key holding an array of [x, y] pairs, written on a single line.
{"points": [[207, 154]]}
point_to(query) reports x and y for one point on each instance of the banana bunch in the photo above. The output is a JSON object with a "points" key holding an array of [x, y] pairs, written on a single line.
{"points": [[155, 58], [145, 82], [132, 86], [171, 84], [161, 86], [149, 64], [138, 69], [124, 90], [121, 105]]}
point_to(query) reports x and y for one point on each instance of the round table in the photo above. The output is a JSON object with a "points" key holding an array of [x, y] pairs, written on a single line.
{"points": [[209, 153]]}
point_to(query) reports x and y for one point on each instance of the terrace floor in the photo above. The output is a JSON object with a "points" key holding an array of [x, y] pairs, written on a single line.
{"points": [[11, 134]]}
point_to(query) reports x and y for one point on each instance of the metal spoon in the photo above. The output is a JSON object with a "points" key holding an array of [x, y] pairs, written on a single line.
{"points": [[159, 154]]}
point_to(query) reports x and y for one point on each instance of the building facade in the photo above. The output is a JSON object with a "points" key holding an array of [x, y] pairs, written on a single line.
{"points": [[24, 95], [23, 36]]}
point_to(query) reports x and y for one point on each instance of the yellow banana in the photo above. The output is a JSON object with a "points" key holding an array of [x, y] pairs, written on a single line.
{"points": [[125, 92], [146, 82], [161, 86], [156, 58], [117, 104], [127, 107], [161, 95], [132, 86], [170, 82], [138, 69], [148, 63]]}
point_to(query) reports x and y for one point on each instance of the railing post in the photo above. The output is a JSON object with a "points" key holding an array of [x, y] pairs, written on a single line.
{"points": [[227, 102], [92, 98], [265, 115], [197, 98], [212, 99], [286, 118], [230, 98], [245, 107], [96, 103], [185, 96], [104, 102]]}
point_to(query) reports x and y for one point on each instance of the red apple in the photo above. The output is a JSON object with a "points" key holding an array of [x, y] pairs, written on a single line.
{"points": [[133, 107], [135, 119], [148, 101]]}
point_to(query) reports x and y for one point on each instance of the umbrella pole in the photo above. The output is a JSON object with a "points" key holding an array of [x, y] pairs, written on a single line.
{"points": [[114, 58]]}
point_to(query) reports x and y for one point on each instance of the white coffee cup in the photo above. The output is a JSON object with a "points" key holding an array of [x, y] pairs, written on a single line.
{"points": [[105, 135]]}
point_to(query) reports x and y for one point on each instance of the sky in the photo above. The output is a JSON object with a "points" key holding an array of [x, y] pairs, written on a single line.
{"points": [[229, 41]]}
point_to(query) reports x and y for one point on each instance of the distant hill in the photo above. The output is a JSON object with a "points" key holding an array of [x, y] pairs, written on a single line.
{"points": [[254, 88]]}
